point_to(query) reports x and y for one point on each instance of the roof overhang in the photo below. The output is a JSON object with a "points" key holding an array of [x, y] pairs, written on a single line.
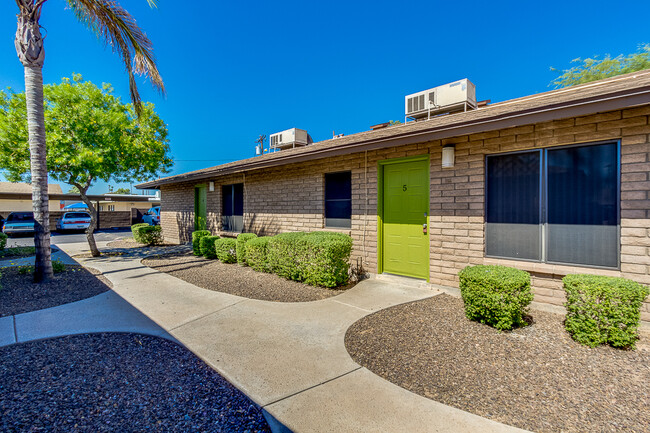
{"points": [[28, 196], [573, 108]]}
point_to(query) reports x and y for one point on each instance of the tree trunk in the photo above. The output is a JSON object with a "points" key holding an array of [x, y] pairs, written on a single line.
{"points": [[37, 149], [29, 47], [93, 221]]}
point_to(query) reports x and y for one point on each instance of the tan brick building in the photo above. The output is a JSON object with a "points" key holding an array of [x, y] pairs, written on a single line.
{"points": [[554, 183]]}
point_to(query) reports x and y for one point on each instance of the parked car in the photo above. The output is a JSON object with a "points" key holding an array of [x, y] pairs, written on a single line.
{"points": [[152, 217], [73, 221], [19, 222]]}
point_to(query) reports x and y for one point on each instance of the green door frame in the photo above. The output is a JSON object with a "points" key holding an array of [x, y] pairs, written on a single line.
{"points": [[380, 206], [200, 214]]}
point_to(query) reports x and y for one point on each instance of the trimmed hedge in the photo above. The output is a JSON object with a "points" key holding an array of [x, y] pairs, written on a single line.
{"points": [[207, 247], [146, 234], [196, 240], [495, 295], [134, 231], [3, 241], [317, 258], [226, 249], [603, 310], [242, 239], [324, 258], [256, 254], [283, 255]]}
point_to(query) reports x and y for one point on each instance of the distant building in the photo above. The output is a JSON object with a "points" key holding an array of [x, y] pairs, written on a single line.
{"points": [[10, 191]]}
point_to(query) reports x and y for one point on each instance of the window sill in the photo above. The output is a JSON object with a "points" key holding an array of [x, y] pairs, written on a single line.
{"points": [[344, 230], [227, 234], [551, 269]]}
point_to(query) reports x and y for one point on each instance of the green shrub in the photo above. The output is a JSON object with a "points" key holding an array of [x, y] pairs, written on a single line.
{"points": [[3, 241], [196, 240], [135, 232], [226, 249], [58, 266], [603, 309], [242, 239], [283, 255], [318, 258], [324, 258], [207, 247], [256, 254], [495, 295], [148, 235]]}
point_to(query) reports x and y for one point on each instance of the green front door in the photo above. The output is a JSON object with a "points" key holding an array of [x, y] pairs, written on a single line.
{"points": [[405, 246], [200, 207]]}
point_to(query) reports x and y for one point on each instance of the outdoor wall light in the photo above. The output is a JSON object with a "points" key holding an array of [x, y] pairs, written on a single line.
{"points": [[448, 156], [211, 186]]}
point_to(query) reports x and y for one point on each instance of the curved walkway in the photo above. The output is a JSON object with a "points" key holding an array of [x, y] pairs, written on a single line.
{"points": [[290, 359]]}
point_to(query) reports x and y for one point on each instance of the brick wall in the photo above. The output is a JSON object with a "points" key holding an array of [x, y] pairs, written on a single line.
{"points": [[291, 198]]}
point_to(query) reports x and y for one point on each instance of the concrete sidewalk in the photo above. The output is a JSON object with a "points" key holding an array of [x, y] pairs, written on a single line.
{"points": [[289, 358], [106, 312]]}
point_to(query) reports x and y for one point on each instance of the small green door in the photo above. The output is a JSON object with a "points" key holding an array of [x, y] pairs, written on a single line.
{"points": [[405, 218], [200, 207]]}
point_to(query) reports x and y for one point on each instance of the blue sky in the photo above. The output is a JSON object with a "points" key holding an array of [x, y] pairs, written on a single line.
{"points": [[235, 70]]}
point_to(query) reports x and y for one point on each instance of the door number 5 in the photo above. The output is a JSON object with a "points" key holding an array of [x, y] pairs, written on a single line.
{"points": [[403, 187]]}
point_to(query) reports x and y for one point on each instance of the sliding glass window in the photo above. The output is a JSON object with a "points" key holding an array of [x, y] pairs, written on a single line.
{"points": [[558, 205]]}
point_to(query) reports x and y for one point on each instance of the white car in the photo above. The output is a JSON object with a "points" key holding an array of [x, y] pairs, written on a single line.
{"points": [[19, 222], [152, 217], [73, 221]]}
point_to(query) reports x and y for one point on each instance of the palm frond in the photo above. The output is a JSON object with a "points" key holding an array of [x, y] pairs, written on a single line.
{"points": [[118, 29]]}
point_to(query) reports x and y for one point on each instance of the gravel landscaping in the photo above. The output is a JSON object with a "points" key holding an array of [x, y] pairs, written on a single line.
{"points": [[536, 378], [236, 280], [19, 293], [117, 383], [131, 243]]}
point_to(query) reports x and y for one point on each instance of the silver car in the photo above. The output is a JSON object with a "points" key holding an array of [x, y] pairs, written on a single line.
{"points": [[73, 221]]}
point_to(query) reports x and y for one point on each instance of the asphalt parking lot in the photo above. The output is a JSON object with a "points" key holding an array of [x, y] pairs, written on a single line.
{"points": [[27, 240]]}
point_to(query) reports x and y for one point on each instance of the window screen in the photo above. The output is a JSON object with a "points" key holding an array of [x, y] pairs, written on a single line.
{"points": [[338, 199], [574, 221], [583, 205], [232, 207], [513, 199]]}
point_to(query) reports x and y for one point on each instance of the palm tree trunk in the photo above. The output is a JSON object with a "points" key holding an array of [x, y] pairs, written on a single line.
{"points": [[40, 200], [29, 47]]}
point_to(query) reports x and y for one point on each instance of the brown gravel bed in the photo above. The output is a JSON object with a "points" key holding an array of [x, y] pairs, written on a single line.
{"points": [[536, 378], [19, 294], [117, 383], [236, 280], [131, 243]]}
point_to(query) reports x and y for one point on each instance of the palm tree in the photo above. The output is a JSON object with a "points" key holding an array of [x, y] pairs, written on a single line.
{"points": [[117, 28]]}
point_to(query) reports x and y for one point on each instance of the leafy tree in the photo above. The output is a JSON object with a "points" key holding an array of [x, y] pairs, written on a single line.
{"points": [[596, 69], [73, 190], [121, 191], [91, 135], [118, 29]]}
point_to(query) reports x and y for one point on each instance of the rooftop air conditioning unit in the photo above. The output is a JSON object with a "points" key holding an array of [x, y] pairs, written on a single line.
{"points": [[290, 138], [457, 96]]}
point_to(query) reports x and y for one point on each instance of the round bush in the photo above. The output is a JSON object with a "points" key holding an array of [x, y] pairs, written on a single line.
{"points": [[603, 310], [242, 240], [497, 296], [256, 254], [226, 249], [196, 240], [207, 247]]}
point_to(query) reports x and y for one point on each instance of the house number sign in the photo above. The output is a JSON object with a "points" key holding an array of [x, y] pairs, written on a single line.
{"points": [[403, 187]]}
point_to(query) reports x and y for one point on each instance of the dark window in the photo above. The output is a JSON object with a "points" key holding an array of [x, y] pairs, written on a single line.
{"points": [[338, 199], [576, 221], [232, 208], [512, 211], [20, 217]]}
